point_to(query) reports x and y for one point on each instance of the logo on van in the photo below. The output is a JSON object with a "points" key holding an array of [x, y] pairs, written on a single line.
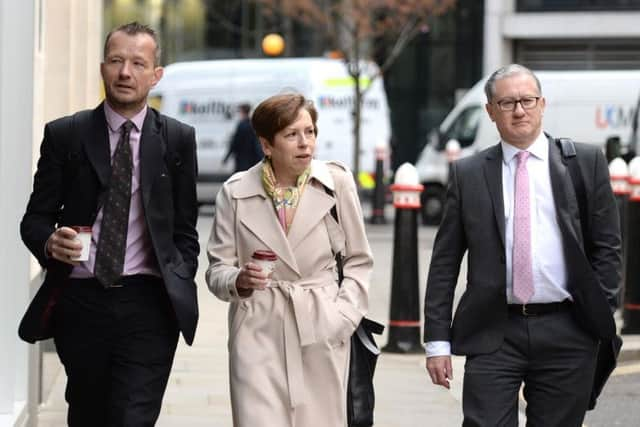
{"points": [[211, 108], [329, 101], [614, 116]]}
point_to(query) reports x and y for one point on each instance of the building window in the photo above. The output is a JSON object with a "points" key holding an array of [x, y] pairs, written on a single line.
{"points": [[576, 5], [615, 54]]}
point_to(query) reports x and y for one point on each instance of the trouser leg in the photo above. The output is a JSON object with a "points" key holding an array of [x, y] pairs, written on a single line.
{"points": [[142, 355], [558, 382], [492, 381]]}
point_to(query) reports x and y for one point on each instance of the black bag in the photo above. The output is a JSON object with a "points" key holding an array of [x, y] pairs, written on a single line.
{"points": [[362, 363]]}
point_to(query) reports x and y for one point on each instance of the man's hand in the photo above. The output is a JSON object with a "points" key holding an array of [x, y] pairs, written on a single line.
{"points": [[63, 245], [440, 371]]}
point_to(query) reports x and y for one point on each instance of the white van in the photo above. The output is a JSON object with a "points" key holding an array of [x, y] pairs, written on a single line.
{"points": [[206, 94], [587, 106]]}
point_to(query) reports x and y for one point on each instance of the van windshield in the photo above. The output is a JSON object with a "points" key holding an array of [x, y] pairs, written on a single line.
{"points": [[463, 128]]}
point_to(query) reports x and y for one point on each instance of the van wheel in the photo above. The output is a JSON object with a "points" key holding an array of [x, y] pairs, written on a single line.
{"points": [[432, 204]]}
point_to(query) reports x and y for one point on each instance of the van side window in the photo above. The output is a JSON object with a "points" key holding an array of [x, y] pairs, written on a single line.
{"points": [[463, 128]]}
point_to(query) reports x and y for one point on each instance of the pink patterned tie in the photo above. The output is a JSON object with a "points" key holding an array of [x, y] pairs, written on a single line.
{"points": [[522, 270]]}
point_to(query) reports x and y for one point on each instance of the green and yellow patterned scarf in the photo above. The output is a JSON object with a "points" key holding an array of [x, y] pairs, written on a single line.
{"points": [[285, 200]]}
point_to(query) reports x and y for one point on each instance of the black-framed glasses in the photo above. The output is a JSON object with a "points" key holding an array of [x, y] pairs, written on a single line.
{"points": [[527, 103]]}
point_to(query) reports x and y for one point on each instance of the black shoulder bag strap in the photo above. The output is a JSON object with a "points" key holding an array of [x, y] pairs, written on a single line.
{"points": [[372, 326], [170, 137], [76, 130], [568, 149], [171, 134], [334, 214]]}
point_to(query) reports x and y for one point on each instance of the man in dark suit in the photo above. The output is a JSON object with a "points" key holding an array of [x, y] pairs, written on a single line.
{"points": [[540, 294], [244, 145], [128, 173]]}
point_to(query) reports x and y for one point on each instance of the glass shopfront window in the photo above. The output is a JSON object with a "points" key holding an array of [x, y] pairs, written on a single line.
{"points": [[576, 5]]}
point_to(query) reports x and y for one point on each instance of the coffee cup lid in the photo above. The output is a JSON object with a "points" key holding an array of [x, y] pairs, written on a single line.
{"points": [[265, 255]]}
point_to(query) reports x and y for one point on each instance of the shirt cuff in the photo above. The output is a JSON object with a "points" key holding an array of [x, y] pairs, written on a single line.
{"points": [[437, 348]]}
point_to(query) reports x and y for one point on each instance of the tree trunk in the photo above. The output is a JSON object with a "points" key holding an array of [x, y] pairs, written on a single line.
{"points": [[356, 127], [356, 72]]}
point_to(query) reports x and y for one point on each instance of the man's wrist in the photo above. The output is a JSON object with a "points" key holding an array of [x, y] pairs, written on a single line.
{"points": [[47, 251], [437, 348]]}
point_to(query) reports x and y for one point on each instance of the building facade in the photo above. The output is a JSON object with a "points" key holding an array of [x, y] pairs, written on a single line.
{"points": [[49, 67], [562, 34]]}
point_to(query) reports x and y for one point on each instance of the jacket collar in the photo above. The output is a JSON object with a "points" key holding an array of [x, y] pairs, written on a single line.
{"points": [[152, 148]]}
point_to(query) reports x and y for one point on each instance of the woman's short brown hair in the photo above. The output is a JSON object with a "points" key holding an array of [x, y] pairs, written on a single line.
{"points": [[279, 111]]}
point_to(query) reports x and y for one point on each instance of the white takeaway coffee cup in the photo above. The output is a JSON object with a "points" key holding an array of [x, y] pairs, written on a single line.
{"points": [[84, 236], [266, 260]]}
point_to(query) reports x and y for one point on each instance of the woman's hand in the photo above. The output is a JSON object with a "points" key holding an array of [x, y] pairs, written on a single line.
{"points": [[251, 277]]}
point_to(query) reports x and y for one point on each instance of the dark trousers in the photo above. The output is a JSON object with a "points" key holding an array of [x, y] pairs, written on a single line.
{"points": [[551, 355], [117, 347]]}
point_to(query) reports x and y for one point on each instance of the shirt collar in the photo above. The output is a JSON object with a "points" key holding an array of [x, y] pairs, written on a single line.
{"points": [[115, 119], [539, 149]]}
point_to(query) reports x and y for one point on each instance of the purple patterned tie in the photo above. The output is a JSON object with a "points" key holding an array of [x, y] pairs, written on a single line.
{"points": [[522, 270]]}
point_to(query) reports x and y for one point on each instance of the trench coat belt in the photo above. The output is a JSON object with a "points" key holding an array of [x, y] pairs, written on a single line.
{"points": [[298, 327]]}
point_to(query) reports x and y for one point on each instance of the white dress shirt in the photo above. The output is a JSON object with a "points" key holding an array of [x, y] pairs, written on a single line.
{"points": [[549, 265]]}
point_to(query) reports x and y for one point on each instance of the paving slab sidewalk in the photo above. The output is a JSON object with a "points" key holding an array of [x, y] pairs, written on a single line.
{"points": [[198, 391]]}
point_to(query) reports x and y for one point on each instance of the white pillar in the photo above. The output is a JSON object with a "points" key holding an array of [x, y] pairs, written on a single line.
{"points": [[16, 108], [497, 48]]}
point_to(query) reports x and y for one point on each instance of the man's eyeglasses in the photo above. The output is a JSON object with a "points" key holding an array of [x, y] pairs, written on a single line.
{"points": [[527, 103]]}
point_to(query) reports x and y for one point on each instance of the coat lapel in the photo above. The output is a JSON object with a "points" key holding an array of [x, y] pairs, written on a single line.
{"points": [[314, 205], [259, 217], [257, 214], [152, 153], [96, 145], [493, 175]]}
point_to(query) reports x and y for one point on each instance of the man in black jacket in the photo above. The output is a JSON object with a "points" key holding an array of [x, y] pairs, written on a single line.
{"points": [[128, 173], [244, 145]]}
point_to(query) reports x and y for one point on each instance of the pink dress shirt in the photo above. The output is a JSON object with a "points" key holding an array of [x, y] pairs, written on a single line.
{"points": [[139, 257]]}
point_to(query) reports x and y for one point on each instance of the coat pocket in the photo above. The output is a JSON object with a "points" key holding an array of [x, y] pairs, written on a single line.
{"points": [[237, 315], [333, 326]]}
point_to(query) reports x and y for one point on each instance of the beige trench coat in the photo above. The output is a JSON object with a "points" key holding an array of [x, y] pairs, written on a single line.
{"points": [[289, 344]]}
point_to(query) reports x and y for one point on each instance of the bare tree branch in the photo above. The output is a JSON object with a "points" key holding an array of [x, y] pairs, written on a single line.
{"points": [[353, 26]]}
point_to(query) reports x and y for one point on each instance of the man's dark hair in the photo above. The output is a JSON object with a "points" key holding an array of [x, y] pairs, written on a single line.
{"points": [[244, 108], [132, 29]]}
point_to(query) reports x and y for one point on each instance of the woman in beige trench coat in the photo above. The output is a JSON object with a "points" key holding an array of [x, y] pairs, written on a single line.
{"points": [[289, 334]]}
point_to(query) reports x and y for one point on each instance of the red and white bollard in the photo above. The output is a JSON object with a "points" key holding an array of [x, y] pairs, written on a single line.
{"points": [[404, 313], [452, 150], [619, 176]]}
